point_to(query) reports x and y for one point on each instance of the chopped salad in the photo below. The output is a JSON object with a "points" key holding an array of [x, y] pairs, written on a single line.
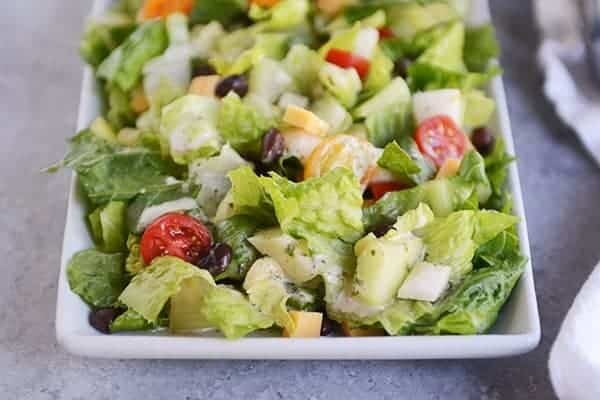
{"points": [[305, 168]]}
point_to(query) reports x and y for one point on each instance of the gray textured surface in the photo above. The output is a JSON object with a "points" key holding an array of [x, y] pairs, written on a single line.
{"points": [[39, 86]]}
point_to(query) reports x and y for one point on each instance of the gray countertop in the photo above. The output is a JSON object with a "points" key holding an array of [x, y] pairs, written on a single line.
{"points": [[39, 87]]}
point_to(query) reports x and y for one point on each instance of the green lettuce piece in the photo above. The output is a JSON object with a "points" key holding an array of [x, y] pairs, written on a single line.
{"points": [[204, 38], [411, 17], [395, 94], [400, 317], [269, 79], [119, 112], [331, 111], [328, 230], [128, 7], [125, 64], [473, 307], [496, 168], [223, 308], [241, 57], [452, 240], [472, 169], [188, 128], [103, 34], [447, 51], [285, 14], [343, 40], [481, 46], [303, 64], [267, 288], [85, 148], [242, 126], [380, 74], [130, 321], [411, 48], [108, 226], [134, 263], [343, 84], [223, 11], [494, 252], [478, 108], [443, 196], [398, 162], [97, 278], [235, 232], [249, 197], [210, 174]]}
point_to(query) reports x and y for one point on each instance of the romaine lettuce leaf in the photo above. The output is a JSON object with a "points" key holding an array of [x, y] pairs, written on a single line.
{"points": [[285, 14], [343, 84], [223, 11], [380, 74], [242, 126], [97, 278], [472, 169], [103, 34], [328, 230], [303, 64], [249, 198], [188, 128], [134, 262], [234, 232], [130, 321], [399, 163], [496, 168], [478, 108], [222, 307], [331, 111], [204, 38], [481, 46], [119, 112], [125, 64], [108, 226]]}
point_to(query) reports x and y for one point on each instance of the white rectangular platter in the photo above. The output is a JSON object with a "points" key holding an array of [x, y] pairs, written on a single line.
{"points": [[517, 330]]}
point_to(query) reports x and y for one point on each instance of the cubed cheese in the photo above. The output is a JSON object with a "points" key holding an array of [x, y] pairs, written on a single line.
{"points": [[425, 282], [366, 42], [306, 324], [204, 85], [304, 119], [438, 102]]}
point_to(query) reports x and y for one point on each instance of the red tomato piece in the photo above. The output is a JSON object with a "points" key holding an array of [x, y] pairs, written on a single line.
{"points": [[380, 188], [385, 32], [439, 139], [346, 59], [177, 235]]}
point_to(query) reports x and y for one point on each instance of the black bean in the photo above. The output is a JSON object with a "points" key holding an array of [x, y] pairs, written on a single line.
{"points": [[273, 146], [382, 229], [204, 69], [101, 318], [401, 67], [483, 140], [217, 260], [330, 327], [236, 83]]}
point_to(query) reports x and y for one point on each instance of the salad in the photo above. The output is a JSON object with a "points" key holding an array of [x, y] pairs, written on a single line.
{"points": [[303, 168]]}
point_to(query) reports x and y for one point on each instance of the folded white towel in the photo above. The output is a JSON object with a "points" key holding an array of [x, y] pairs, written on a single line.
{"points": [[575, 357]]}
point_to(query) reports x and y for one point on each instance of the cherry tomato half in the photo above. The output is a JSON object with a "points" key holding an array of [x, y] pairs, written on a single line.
{"points": [[378, 189], [385, 32], [346, 59], [177, 235], [439, 139]]}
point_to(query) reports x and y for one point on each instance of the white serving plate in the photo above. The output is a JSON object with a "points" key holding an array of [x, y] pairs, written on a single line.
{"points": [[517, 330]]}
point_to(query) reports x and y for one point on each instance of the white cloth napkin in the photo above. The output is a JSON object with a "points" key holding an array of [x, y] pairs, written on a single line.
{"points": [[575, 356]]}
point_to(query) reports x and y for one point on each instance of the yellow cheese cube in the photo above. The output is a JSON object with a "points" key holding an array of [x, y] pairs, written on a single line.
{"points": [[361, 332], [304, 119], [204, 85], [307, 324], [448, 169]]}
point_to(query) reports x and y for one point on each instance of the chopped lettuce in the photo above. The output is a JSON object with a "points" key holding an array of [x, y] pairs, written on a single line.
{"points": [[222, 307], [97, 278], [399, 163], [411, 17], [210, 174], [496, 168], [234, 232], [134, 262], [203, 39], [108, 226], [119, 112], [285, 14], [380, 74], [331, 111], [125, 64], [188, 128], [223, 11], [481, 46], [472, 169], [102, 35], [249, 198], [242, 126], [478, 108], [130, 321], [343, 84], [303, 64], [269, 79]]}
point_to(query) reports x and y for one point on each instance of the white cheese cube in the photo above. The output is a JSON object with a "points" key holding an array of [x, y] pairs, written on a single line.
{"points": [[438, 102]]}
